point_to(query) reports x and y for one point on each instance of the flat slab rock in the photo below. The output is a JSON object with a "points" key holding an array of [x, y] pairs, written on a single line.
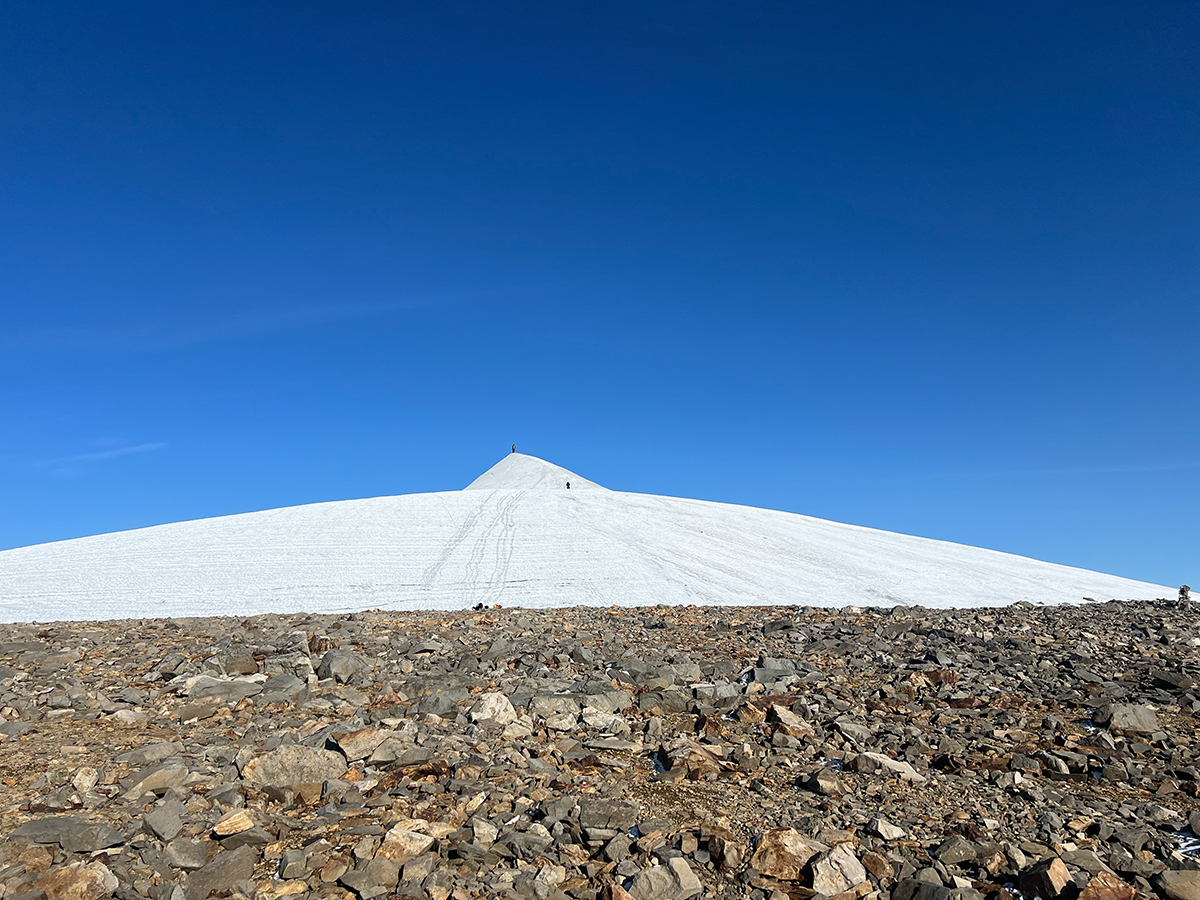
{"points": [[294, 765], [73, 834]]}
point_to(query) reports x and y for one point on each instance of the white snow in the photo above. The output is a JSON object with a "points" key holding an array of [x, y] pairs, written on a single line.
{"points": [[518, 472], [518, 537]]}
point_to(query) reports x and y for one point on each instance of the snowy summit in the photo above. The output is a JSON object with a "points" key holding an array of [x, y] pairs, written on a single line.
{"points": [[518, 536]]}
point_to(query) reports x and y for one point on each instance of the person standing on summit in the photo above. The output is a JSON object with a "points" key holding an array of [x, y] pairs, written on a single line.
{"points": [[514, 448]]}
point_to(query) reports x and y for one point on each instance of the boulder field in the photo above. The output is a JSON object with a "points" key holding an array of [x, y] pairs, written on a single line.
{"points": [[653, 752]]}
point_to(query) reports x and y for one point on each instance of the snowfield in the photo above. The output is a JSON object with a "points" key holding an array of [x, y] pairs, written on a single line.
{"points": [[517, 536]]}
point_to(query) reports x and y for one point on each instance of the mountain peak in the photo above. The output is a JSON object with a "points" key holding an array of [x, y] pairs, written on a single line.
{"points": [[517, 471]]}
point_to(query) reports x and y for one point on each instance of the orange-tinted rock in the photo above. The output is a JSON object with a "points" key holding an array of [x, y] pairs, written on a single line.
{"points": [[78, 881], [1107, 886], [783, 853], [1046, 879]]}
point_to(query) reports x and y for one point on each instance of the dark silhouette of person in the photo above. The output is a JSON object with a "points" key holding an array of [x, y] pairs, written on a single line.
{"points": [[568, 485], [514, 448]]}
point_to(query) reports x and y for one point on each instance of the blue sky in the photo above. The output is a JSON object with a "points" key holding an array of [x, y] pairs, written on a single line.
{"points": [[925, 267]]}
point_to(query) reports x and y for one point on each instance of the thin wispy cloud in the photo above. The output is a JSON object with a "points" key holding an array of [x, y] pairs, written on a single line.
{"points": [[1110, 470], [961, 474], [110, 454], [259, 323], [70, 465], [1075, 470], [150, 334], [166, 334]]}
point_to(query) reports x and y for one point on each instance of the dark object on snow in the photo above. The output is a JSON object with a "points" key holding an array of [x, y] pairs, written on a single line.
{"points": [[568, 485], [477, 606], [1185, 592], [514, 448]]}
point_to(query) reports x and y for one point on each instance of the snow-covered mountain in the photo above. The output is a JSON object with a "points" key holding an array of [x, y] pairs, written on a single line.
{"points": [[518, 536]]}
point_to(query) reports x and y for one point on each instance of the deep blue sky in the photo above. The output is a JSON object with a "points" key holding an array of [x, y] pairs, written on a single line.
{"points": [[925, 267]]}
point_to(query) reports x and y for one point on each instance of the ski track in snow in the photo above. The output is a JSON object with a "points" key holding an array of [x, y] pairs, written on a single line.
{"points": [[518, 537]]}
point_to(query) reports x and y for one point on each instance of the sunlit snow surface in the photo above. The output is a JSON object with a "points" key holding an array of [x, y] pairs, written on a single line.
{"points": [[518, 537]]}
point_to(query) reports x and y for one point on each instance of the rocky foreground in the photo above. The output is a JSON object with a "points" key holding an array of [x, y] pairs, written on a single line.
{"points": [[901, 754]]}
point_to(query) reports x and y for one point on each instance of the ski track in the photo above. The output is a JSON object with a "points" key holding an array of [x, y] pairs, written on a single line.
{"points": [[434, 571], [519, 537]]}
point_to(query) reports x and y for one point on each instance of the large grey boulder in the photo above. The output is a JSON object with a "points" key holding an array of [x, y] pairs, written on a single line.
{"points": [[494, 709], [223, 690], [607, 815], [376, 879], [222, 872], [164, 823], [1180, 884], [915, 889], [154, 780], [881, 762], [342, 665], [1126, 717], [837, 871], [76, 881], [955, 849], [674, 881], [186, 854], [784, 852]]}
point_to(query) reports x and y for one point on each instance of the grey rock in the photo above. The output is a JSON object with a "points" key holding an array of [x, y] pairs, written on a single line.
{"points": [[282, 688], [525, 845], [220, 874], [187, 854], [1179, 884], [665, 702], [223, 690], [439, 703], [154, 780], [608, 701], [1126, 717], [826, 783], [493, 708], [151, 754], [617, 849], [837, 871], [889, 766], [884, 829], [296, 664], [419, 868], [1176, 681], [71, 833], [237, 661], [254, 837], [425, 646], [342, 665], [293, 864], [547, 706], [673, 881], [599, 814], [164, 823], [1047, 878], [954, 850], [377, 878], [914, 889], [1087, 860], [859, 734], [132, 696]]}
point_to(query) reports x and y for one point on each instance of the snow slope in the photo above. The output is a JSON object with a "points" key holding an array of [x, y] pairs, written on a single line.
{"points": [[518, 537], [518, 472]]}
